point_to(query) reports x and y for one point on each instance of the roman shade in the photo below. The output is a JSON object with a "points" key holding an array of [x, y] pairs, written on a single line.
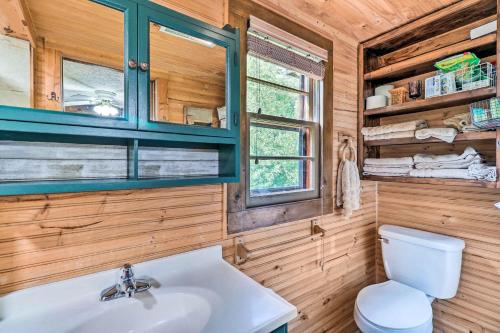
{"points": [[280, 47]]}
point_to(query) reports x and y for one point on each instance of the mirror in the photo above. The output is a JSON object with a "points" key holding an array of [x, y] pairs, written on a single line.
{"points": [[62, 55], [188, 79]]}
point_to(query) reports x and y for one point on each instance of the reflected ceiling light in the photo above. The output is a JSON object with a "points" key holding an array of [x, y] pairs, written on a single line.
{"points": [[106, 110], [187, 37], [105, 107]]}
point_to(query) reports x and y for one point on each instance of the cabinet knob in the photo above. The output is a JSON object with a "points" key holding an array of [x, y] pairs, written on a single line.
{"points": [[144, 66], [132, 64]]}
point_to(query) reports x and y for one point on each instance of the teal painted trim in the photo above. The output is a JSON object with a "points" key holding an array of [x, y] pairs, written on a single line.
{"points": [[129, 8], [26, 188], [222, 37], [11, 130], [282, 329]]}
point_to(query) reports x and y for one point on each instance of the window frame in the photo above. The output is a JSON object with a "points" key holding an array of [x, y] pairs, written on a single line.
{"points": [[285, 196], [241, 217]]}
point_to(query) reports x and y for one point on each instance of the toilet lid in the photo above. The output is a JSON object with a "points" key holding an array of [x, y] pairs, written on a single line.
{"points": [[394, 305]]}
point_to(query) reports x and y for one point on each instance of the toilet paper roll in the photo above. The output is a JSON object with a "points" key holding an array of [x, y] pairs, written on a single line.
{"points": [[377, 101], [384, 90]]}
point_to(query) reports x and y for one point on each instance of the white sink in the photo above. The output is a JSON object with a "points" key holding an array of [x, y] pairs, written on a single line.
{"points": [[173, 312], [195, 292]]}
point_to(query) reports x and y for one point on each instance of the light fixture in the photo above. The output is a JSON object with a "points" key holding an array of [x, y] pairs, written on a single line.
{"points": [[105, 108], [176, 33]]}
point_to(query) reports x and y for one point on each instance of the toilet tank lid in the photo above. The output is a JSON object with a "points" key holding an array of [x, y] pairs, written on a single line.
{"points": [[423, 238]]}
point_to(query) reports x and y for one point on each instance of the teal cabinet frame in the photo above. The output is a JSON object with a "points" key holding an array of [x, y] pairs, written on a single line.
{"points": [[282, 329], [134, 131], [129, 9], [227, 38]]}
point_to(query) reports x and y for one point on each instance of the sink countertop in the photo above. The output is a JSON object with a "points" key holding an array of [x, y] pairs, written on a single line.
{"points": [[192, 292]]}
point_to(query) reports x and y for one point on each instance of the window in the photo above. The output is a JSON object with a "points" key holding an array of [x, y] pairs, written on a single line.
{"points": [[283, 109], [287, 124]]}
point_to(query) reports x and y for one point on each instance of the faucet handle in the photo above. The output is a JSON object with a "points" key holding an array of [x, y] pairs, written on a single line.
{"points": [[127, 272]]}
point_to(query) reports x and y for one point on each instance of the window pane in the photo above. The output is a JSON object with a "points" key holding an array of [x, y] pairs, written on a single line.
{"points": [[276, 102], [188, 79], [268, 71], [89, 32], [275, 176], [269, 141]]}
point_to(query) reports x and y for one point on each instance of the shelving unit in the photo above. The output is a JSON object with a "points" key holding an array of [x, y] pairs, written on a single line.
{"points": [[408, 53]]}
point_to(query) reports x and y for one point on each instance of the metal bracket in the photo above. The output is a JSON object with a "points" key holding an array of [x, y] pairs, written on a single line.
{"points": [[316, 229], [241, 252]]}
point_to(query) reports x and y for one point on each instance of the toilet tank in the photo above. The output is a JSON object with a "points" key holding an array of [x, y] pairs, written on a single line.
{"points": [[423, 260]]}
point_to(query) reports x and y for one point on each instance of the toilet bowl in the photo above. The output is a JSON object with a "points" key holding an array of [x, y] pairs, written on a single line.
{"points": [[420, 266], [393, 307]]}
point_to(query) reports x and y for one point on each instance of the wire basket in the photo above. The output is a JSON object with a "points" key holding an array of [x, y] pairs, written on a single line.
{"points": [[468, 78], [486, 114]]}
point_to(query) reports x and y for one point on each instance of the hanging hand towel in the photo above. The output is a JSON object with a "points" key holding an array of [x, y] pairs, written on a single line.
{"points": [[401, 127], [348, 182], [445, 134]]}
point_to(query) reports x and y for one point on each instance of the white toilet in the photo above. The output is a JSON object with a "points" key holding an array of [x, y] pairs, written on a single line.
{"points": [[420, 266]]}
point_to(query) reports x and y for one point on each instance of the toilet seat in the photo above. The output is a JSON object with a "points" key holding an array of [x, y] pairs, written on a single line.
{"points": [[393, 307]]}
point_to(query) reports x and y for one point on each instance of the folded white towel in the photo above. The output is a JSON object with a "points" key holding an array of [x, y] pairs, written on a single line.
{"points": [[419, 158], [401, 127], [483, 172], [443, 173], [385, 174], [461, 164], [394, 135], [394, 161], [381, 169], [445, 134]]}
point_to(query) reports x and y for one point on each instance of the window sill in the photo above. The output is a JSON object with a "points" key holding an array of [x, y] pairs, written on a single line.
{"points": [[266, 216]]}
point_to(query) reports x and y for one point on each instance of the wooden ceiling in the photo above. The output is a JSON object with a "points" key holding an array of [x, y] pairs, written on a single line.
{"points": [[358, 20]]}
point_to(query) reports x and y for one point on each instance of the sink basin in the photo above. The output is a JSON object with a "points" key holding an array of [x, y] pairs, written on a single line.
{"points": [[172, 312], [194, 292]]}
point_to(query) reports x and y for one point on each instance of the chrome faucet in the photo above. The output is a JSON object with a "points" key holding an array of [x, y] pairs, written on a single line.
{"points": [[128, 286]]}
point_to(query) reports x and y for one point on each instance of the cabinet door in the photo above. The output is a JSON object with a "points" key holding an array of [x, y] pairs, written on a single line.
{"points": [[70, 62], [188, 77]]}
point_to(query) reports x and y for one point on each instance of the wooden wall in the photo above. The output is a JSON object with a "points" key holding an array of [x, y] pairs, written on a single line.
{"points": [[463, 212], [54, 237]]}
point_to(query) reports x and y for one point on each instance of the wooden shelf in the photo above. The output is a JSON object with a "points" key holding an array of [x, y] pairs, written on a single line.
{"points": [[471, 136], [460, 98], [427, 60], [434, 181]]}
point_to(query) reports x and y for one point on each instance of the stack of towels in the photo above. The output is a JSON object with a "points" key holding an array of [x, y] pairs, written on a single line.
{"points": [[410, 129], [393, 131], [400, 166], [469, 165]]}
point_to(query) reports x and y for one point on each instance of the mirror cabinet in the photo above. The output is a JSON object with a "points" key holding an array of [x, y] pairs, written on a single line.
{"points": [[126, 72]]}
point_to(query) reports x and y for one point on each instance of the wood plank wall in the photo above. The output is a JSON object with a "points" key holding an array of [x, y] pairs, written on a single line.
{"points": [[52, 237], [463, 212]]}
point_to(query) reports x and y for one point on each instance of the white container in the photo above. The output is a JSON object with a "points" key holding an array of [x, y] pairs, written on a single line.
{"points": [[483, 30], [377, 101], [385, 90], [433, 86], [423, 260]]}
